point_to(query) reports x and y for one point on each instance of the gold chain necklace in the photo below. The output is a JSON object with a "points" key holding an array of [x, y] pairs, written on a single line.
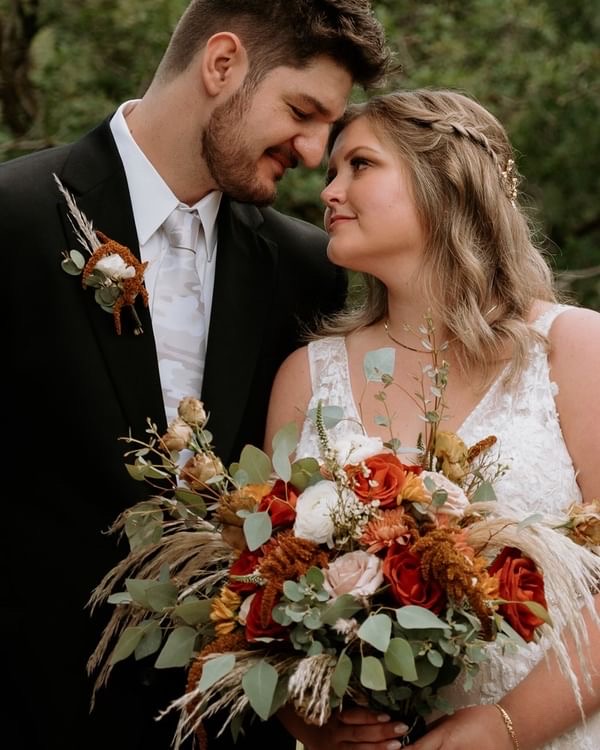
{"points": [[404, 346]]}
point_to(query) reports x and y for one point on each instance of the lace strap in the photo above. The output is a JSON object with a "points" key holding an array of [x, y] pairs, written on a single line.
{"points": [[543, 324], [328, 363]]}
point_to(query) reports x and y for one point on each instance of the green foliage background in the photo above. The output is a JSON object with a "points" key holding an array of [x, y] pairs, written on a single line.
{"points": [[65, 64]]}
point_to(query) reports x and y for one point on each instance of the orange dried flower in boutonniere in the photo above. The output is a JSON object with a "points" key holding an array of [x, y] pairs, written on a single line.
{"points": [[112, 269]]}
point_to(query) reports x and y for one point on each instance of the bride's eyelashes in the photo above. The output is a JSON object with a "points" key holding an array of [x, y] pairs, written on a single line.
{"points": [[357, 164]]}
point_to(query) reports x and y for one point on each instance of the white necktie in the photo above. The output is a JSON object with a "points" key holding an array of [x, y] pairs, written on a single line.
{"points": [[178, 318]]}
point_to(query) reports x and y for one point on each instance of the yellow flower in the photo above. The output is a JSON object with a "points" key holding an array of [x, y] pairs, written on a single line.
{"points": [[413, 490], [246, 498], [453, 454], [223, 611]]}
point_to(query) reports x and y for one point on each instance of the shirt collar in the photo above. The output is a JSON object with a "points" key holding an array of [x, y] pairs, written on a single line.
{"points": [[151, 198]]}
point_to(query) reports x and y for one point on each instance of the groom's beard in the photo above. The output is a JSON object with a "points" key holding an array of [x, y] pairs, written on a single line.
{"points": [[229, 156]]}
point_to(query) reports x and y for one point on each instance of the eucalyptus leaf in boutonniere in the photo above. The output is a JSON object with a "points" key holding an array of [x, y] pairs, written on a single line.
{"points": [[112, 269]]}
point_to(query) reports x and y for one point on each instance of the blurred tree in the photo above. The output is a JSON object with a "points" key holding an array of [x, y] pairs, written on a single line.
{"points": [[65, 64]]}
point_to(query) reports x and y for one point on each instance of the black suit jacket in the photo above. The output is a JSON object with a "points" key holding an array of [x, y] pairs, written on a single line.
{"points": [[73, 388]]}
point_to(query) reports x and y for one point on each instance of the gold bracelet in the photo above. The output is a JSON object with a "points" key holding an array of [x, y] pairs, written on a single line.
{"points": [[509, 725]]}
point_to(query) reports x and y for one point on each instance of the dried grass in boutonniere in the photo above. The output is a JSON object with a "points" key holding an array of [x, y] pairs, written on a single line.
{"points": [[112, 269]]}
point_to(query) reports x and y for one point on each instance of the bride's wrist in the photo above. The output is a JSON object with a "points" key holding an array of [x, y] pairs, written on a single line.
{"points": [[508, 727]]}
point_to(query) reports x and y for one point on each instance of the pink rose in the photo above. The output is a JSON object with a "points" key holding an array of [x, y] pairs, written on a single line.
{"points": [[357, 573]]}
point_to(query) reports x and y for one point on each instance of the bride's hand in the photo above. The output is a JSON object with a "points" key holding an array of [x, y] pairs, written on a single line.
{"points": [[351, 729], [480, 727]]}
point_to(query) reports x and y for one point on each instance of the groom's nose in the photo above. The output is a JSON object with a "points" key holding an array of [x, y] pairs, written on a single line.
{"points": [[310, 146]]}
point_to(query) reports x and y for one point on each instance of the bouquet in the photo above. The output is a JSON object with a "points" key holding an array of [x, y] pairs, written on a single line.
{"points": [[348, 578]]}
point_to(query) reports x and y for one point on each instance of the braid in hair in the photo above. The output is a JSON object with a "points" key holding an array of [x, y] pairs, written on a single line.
{"points": [[506, 172]]}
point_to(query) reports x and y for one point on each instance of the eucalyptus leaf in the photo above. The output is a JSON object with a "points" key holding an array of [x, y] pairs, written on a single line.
{"points": [[341, 674], [259, 684], [312, 619], [178, 649], [400, 660], [138, 588], [302, 471], [257, 529], [78, 259], [136, 472], [331, 415], [193, 611], [376, 630], [484, 493], [127, 644], [214, 669], [284, 443], [282, 464], [256, 464], [372, 674], [434, 657], [427, 673], [413, 617], [69, 267], [341, 608], [191, 500], [150, 642], [122, 597], [293, 591], [379, 362], [314, 577], [161, 596]]}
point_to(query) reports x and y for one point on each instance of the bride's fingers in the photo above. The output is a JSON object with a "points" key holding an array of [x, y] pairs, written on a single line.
{"points": [[365, 716], [377, 734]]}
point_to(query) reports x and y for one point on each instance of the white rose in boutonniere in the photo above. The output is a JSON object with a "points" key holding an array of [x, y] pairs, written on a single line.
{"points": [[112, 269]]}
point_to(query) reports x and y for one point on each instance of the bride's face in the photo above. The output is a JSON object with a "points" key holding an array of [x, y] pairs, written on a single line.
{"points": [[370, 213]]}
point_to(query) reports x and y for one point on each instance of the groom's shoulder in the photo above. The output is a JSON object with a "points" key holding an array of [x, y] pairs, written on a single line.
{"points": [[32, 174], [296, 233]]}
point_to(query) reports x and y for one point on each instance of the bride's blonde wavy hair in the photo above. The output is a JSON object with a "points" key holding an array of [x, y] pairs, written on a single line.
{"points": [[481, 270]]}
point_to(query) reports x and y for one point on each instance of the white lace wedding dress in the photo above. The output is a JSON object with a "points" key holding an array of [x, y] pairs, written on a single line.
{"points": [[541, 478]]}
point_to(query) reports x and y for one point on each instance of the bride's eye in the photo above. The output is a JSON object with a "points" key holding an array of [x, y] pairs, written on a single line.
{"points": [[358, 163]]}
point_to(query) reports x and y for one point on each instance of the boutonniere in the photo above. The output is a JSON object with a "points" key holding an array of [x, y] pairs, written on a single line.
{"points": [[111, 269]]}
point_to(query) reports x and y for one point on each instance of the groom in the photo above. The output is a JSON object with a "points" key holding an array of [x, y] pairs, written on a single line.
{"points": [[245, 90]]}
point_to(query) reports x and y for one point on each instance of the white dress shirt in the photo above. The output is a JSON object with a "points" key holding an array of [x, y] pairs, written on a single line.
{"points": [[153, 201]]}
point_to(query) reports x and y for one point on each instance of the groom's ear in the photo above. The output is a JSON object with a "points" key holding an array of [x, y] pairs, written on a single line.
{"points": [[224, 64]]}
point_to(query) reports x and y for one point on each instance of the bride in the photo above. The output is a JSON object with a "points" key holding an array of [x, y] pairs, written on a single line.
{"points": [[421, 198]]}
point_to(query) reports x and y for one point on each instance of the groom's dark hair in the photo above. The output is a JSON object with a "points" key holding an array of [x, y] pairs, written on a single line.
{"points": [[285, 32]]}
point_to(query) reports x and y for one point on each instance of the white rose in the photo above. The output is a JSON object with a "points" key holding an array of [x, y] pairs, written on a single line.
{"points": [[456, 502], [178, 435], [115, 267], [356, 448], [244, 609], [314, 512], [357, 573]]}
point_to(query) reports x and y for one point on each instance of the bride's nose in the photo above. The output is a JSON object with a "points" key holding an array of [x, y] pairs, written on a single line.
{"points": [[332, 193]]}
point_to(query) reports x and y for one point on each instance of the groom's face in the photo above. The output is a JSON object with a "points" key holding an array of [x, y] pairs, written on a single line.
{"points": [[258, 133]]}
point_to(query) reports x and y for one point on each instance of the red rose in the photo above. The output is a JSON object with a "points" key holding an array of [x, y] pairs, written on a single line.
{"points": [[519, 581], [280, 504], [380, 477], [245, 565], [254, 621], [402, 568]]}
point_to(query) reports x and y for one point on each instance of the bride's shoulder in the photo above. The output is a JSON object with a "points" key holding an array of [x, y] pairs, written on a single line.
{"points": [[575, 328]]}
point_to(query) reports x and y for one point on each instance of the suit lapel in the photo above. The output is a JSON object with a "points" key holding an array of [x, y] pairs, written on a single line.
{"points": [[241, 301], [95, 176]]}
